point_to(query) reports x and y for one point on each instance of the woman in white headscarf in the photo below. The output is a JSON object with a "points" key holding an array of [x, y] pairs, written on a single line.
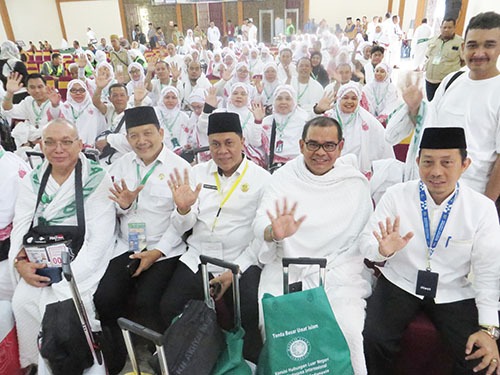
{"points": [[103, 68], [137, 77], [189, 39], [364, 135], [79, 110], [10, 61], [175, 123], [381, 94], [288, 121], [255, 65], [196, 102], [270, 82]]}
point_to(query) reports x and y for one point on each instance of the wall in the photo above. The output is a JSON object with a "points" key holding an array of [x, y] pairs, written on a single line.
{"points": [[35, 20], [3, 34], [102, 16], [337, 11]]}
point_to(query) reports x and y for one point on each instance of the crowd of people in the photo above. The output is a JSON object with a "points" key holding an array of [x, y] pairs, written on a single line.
{"points": [[251, 153]]}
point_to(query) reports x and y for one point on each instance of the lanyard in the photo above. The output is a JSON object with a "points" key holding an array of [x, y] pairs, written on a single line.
{"points": [[303, 91], [38, 116], [145, 178], [281, 127], [431, 247], [339, 118], [229, 193], [244, 125], [78, 114], [168, 125], [2, 152]]}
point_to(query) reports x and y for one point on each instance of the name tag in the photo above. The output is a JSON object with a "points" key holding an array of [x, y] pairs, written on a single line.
{"points": [[137, 237], [208, 186], [427, 282]]}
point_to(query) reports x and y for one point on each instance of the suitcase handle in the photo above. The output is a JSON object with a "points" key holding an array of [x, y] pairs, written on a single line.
{"points": [[304, 261], [321, 262], [140, 330], [128, 326], [235, 269]]}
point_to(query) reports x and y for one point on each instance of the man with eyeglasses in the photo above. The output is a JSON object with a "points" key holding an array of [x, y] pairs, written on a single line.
{"points": [[66, 197], [220, 212], [316, 206]]}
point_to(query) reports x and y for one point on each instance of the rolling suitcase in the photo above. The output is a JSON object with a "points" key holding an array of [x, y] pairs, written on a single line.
{"points": [[225, 351]]}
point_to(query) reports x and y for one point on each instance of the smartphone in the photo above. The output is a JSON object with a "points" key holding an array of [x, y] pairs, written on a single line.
{"points": [[133, 266]]}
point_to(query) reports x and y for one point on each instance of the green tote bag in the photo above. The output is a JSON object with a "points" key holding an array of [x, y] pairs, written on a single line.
{"points": [[302, 336]]}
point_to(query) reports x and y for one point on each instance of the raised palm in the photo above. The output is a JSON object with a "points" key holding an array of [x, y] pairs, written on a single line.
{"points": [[284, 224], [184, 196], [389, 239]]}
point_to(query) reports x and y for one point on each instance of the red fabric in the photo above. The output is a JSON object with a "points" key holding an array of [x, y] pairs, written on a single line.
{"points": [[9, 355], [422, 350]]}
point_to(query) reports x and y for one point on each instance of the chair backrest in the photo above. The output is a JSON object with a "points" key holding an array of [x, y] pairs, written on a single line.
{"points": [[62, 86]]}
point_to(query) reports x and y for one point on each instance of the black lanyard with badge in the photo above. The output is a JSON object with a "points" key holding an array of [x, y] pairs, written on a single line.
{"points": [[427, 280]]}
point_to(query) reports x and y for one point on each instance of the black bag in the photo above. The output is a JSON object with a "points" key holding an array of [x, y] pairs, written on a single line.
{"points": [[194, 340], [109, 151], [62, 341], [8, 142]]}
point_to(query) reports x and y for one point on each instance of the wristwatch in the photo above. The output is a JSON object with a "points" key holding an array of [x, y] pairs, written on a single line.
{"points": [[493, 331]]}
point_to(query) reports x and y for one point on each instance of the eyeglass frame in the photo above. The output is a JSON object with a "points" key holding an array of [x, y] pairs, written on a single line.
{"points": [[321, 145], [77, 91], [65, 143]]}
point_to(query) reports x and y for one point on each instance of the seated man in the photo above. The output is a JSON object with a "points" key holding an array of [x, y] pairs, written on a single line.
{"points": [[147, 248], [54, 67], [114, 112], [13, 171], [48, 204], [229, 188], [335, 196], [428, 268]]}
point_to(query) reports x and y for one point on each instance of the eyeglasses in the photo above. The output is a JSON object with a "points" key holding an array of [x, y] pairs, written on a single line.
{"points": [[65, 143], [77, 91], [327, 146]]}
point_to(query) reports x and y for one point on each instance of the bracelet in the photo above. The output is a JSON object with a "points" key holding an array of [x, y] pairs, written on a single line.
{"points": [[6, 99], [258, 122]]}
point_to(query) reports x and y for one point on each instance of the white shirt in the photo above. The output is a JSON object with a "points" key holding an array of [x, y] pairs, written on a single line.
{"points": [[469, 104], [154, 205], [29, 110], [468, 244], [308, 94], [232, 239], [337, 206], [13, 171], [213, 34]]}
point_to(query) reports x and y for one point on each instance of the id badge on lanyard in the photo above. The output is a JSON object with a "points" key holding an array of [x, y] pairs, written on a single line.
{"points": [[427, 281]]}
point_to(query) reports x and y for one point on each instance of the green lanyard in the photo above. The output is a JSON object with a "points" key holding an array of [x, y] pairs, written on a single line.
{"points": [[244, 125], [38, 116], [78, 114], [145, 178], [229, 193], [281, 127], [351, 118], [303, 91], [168, 125], [2, 152]]}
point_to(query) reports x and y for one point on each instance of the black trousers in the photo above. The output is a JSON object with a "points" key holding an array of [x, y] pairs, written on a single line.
{"points": [[113, 299], [389, 311], [186, 285], [430, 89]]}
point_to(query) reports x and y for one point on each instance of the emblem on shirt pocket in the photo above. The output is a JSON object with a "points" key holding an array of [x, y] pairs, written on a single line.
{"points": [[245, 187]]}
